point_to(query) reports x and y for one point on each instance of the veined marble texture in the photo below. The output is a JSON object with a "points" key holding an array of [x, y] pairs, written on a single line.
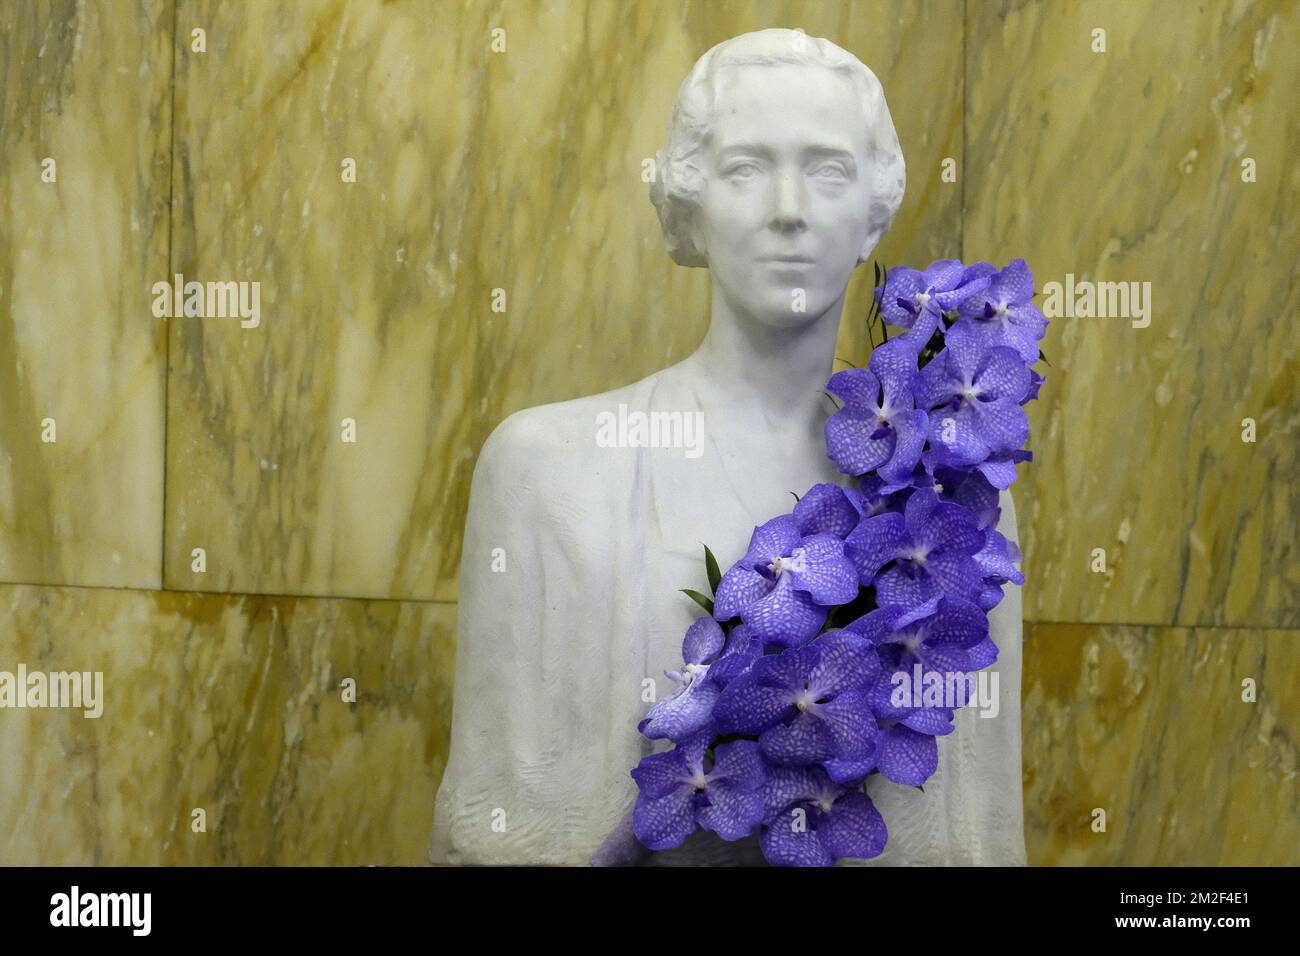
{"points": [[477, 169], [1126, 166], [231, 704], [1149, 724], [82, 361]]}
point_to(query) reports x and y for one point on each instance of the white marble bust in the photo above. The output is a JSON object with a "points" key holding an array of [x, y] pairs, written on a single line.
{"points": [[781, 173]]}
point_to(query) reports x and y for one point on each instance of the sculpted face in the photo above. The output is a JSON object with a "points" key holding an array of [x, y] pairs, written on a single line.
{"points": [[785, 200]]}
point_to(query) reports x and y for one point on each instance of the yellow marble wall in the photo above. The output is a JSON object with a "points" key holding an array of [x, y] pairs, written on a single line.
{"points": [[1149, 724], [521, 171], [232, 704], [89, 87], [1126, 166]]}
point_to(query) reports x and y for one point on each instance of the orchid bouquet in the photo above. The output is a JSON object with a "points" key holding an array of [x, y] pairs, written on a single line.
{"points": [[789, 695]]}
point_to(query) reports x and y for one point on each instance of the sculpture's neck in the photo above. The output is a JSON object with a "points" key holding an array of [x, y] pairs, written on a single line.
{"points": [[779, 373]]}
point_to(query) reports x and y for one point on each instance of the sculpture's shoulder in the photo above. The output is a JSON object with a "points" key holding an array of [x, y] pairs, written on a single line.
{"points": [[549, 453]]}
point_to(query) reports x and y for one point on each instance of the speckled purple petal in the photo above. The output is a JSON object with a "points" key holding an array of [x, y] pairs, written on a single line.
{"points": [[848, 661], [962, 351], [875, 625], [851, 724], [933, 386], [739, 588], [995, 558], [858, 387], [849, 771], [974, 280], [854, 828], [704, 640], [1013, 284], [1023, 330], [978, 496], [660, 774], [764, 695], [954, 575], [900, 283], [786, 617], [665, 822], [943, 274], [782, 845], [875, 542], [951, 528], [983, 654], [956, 436], [1001, 472], [772, 539], [849, 441], [799, 742], [732, 813], [1002, 425], [945, 658], [1002, 374], [894, 365], [909, 440], [897, 587], [931, 721], [957, 622], [907, 757], [786, 786], [826, 509], [821, 568], [683, 713]]}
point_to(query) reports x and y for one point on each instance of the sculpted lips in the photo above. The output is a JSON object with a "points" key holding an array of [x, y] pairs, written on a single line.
{"points": [[789, 262]]}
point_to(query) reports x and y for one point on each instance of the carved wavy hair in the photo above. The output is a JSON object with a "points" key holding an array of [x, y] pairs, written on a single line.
{"points": [[679, 172]]}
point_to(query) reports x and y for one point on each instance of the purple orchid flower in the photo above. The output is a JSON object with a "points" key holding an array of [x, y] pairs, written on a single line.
{"points": [[973, 491], [915, 300], [906, 751], [997, 560], [878, 429], [681, 789], [808, 704], [939, 635], [784, 584], [688, 708], [1035, 383], [813, 821], [933, 544], [973, 392], [1000, 467], [1003, 313]]}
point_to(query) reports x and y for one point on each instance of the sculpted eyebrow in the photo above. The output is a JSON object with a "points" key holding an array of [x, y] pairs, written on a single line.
{"points": [[760, 149], [834, 152]]}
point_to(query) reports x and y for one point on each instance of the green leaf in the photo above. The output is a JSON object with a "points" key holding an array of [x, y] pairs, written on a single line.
{"points": [[700, 599], [1042, 356], [711, 567]]}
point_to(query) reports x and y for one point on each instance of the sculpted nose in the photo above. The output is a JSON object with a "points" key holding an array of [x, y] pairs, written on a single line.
{"points": [[788, 203]]}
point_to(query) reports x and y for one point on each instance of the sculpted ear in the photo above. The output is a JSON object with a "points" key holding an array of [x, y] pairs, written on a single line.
{"points": [[873, 237], [696, 232]]}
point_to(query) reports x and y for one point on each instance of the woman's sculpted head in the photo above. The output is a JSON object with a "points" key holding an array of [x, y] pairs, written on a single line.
{"points": [[781, 173]]}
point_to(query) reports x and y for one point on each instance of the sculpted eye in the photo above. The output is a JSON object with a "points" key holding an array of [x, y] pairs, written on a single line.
{"points": [[831, 171], [743, 170]]}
